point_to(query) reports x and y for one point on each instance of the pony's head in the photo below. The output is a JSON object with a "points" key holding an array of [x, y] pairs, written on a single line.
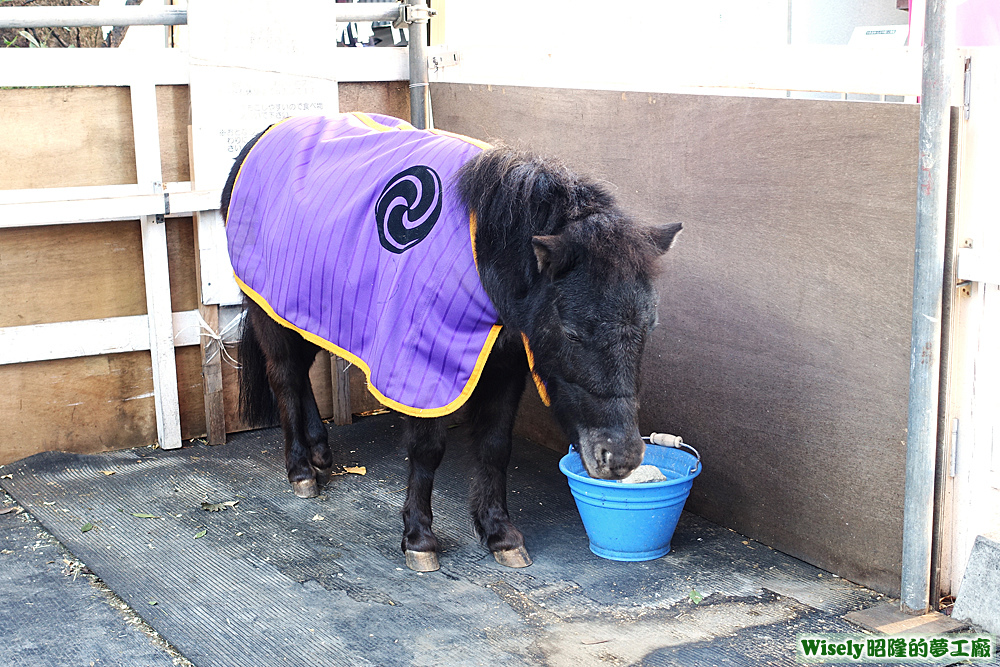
{"points": [[568, 268], [588, 339]]}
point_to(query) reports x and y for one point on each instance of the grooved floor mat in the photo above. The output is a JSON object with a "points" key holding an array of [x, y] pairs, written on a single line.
{"points": [[271, 579]]}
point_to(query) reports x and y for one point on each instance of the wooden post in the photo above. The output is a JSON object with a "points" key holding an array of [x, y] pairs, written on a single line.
{"points": [[341, 384], [211, 348], [154, 257]]}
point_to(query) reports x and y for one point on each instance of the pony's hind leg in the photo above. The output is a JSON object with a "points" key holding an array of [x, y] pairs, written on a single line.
{"points": [[492, 408], [425, 445], [320, 456], [289, 357]]}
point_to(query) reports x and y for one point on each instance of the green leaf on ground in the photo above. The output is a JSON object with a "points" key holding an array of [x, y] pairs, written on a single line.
{"points": [[695, 596], [200, 534], [85, 527], [218, 507]]}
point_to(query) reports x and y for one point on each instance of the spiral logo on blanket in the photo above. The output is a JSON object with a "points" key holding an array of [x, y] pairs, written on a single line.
{"points": [[408, 208]]}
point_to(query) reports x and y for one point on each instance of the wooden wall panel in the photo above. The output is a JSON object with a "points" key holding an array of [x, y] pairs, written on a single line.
{"points": [[67, 137], [63, 273], [391, 98], [173, 106], [85, 405], [783, 346], [70, 272]]}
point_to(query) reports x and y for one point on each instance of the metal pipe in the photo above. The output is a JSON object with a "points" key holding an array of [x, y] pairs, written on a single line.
{"points": [[925, 345], [419, 81], [79, 17]]}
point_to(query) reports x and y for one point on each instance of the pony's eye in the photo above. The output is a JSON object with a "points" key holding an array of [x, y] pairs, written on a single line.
{"points": [[573, 336]]}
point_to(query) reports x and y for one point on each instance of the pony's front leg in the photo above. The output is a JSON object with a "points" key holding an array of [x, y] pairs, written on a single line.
{"points": [[425, 445], [493, 407]]}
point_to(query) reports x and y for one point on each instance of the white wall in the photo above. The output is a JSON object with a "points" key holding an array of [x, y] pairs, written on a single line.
{"points": [[825, 22], [600, 24], [558, 24]]}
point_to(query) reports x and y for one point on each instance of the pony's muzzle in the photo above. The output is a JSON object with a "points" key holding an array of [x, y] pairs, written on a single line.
{"points": [[607, 454]]}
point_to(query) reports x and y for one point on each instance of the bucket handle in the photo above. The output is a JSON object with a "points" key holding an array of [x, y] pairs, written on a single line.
{"points": [[675, 441], [665, 440]]}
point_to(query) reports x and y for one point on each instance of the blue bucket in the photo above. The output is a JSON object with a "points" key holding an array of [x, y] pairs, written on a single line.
{"points": [[633, 522]]}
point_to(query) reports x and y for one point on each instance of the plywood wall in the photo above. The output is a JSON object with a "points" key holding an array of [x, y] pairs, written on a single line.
{"points": [[783, 347], [66, 137]]}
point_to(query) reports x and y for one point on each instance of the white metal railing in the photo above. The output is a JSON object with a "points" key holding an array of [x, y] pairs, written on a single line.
{"points": [[77, 17]]}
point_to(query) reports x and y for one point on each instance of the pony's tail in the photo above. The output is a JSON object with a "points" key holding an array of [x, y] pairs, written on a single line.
{"points": [[257, 405]]}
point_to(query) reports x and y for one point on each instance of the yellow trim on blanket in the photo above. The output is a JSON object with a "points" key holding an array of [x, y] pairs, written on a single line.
{"points": [[375, 125], [475, 142], [357, 361], [543, 392]]}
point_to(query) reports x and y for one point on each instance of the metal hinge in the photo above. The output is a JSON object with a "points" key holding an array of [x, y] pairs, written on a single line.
{"points": [[967, 97], [953, 463]]}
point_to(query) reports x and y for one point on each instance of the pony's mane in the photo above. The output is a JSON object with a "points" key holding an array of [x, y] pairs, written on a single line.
{"points": [[516, 195]]}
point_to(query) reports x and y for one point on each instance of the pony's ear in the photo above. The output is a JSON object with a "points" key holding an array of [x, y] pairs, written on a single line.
{"points": [[553, 254], [663, 236]]}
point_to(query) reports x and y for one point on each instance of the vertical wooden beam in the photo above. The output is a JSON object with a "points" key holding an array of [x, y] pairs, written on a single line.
{"points": [[340, 380], [211, 348], [154, 258]]}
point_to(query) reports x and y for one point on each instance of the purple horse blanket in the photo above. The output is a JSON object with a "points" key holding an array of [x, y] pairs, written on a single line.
{"points": [[348, 230]]}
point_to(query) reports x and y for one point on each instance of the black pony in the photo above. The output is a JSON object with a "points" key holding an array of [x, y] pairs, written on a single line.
{"points": [[563, 266]]}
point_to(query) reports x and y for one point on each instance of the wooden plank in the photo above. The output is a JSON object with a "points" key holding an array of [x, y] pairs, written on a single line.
{"points": [[85, 272], [83, 192], [67, 137], [98, 403], [36, 214], [69, 211], [83, 338], [155, 268], [362, 400], [91, 67], [173, 112], [889, 620], [70, 272], [783, 347]]}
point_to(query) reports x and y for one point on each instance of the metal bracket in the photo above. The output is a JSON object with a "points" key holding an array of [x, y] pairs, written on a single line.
{"points": [[438, 61], [413, 14], [978, 266]]}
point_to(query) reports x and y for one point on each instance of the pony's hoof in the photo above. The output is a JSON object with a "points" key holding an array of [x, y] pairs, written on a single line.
{"points": [[323, 475], [307, 488], [422, 561], [513, 557]]}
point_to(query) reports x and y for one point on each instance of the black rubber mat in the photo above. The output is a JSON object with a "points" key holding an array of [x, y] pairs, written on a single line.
{"points": [[52, 614], [277, 580]]}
